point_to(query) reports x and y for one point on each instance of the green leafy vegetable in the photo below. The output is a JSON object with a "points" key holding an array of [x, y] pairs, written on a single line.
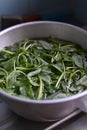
{"points": [[43, 69]]}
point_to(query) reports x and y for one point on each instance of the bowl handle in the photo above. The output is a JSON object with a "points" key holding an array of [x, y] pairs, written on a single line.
{"points": [[82, 104]]}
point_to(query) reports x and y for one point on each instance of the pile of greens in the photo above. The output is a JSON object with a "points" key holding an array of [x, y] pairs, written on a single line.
{"points": [[43, 69]]}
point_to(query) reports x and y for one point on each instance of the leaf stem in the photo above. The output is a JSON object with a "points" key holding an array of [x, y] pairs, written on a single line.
{"points": [[40, 89], [60, 78]]}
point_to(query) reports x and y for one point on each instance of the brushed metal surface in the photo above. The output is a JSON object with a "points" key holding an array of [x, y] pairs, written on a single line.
{"points": [[11, 121]]}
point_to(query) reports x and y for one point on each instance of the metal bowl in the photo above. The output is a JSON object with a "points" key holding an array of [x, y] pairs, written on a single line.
{"points": [[44, 110]]}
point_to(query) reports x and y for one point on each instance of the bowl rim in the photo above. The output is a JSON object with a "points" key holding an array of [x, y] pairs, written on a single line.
{"points": [[50, 101], [41, 22], [47, 101]]}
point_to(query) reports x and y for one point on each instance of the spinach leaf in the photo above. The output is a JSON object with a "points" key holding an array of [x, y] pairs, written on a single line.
{"points": [[43, 69]]}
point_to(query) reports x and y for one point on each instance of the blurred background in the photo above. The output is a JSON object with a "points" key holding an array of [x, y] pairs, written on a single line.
{"points": [[14, 12], [18, 11]]}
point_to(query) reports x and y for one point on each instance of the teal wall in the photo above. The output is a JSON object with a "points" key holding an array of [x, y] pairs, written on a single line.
{"points": [[33, 6], [79, 9]]}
